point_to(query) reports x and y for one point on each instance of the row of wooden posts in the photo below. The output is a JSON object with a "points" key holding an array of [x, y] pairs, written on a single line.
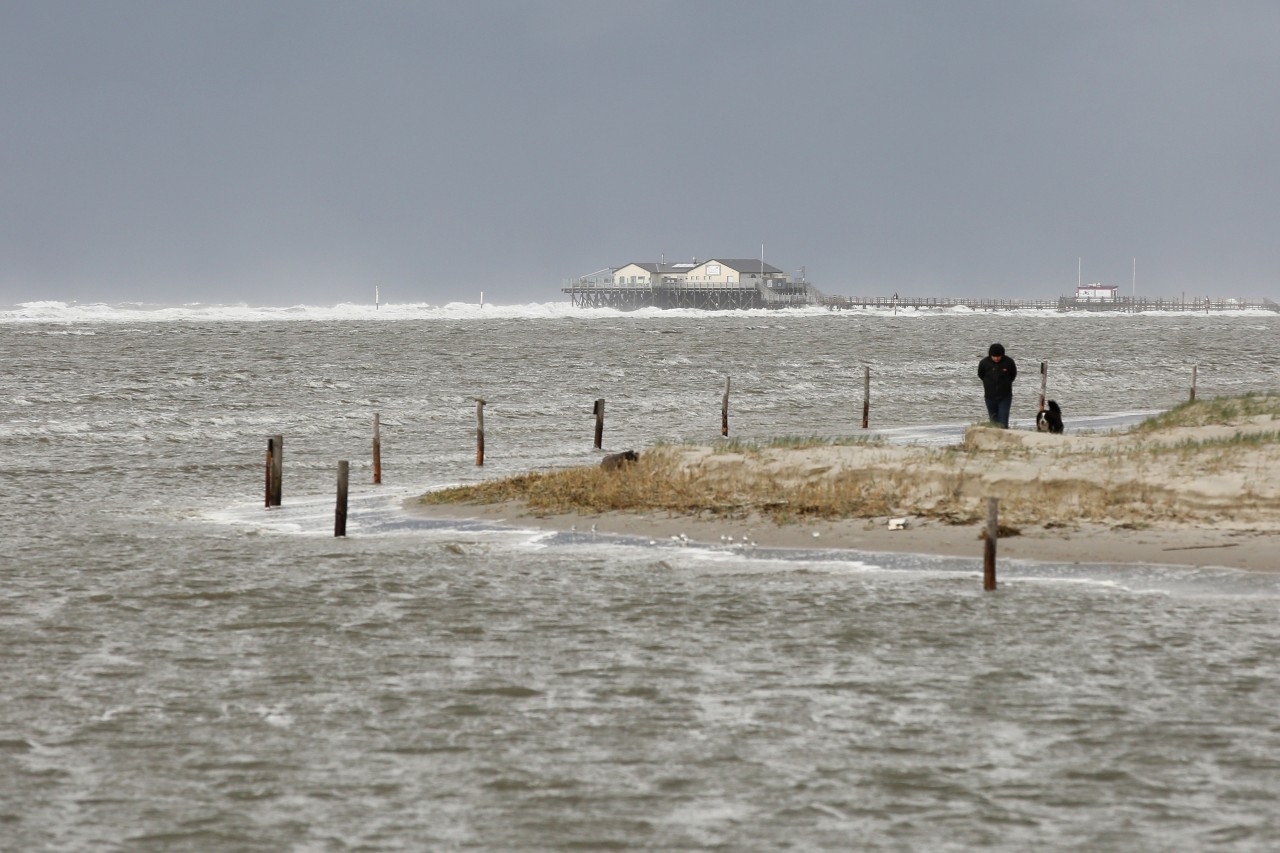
{"points": [[275, 462], [274, 448]]}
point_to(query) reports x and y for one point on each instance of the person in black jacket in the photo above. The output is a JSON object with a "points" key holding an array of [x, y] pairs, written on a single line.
{"points": [[997, 372]]}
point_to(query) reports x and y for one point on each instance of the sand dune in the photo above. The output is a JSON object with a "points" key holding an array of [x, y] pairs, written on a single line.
{"points": [[1186, 495]]}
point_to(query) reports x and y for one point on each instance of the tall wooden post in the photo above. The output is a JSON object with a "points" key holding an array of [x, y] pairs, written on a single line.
{"points": [[598, 411], [479, 431], [724, 409], [271, 446], [377, 449], [1044, 381], [340, 510], [989, 546], [866, 395], [277, 469], [1193, 382]]}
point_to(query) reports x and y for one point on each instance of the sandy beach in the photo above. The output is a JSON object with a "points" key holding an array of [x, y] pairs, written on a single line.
{"points": [[1186, 495], [1166, 544]]}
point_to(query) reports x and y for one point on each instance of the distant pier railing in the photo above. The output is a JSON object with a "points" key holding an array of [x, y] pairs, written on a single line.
{"points": [[1129, 305], [585, 293], [849, 303]]}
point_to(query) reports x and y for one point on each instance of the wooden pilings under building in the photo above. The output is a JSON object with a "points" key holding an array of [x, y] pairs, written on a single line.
{"points": [[703, 297]]}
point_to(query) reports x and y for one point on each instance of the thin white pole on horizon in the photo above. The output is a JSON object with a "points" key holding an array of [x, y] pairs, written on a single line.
{"points": [[375, 297], [1135, 278], [1079, 272], [482, 299]]}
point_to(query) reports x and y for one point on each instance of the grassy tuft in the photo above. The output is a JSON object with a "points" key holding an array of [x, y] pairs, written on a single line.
{"points": [[657, 482], [1213, 411]]}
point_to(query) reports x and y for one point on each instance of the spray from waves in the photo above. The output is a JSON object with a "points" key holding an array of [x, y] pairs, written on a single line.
{"points": [[77, 313]]}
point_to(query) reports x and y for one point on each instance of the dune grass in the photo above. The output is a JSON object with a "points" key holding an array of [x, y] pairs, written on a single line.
{"points": [[1213, 411], [658, 482], [661, 480], [653, 482]]}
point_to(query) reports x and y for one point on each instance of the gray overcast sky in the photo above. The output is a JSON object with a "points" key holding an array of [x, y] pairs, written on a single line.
{"points": [[303, 151]]}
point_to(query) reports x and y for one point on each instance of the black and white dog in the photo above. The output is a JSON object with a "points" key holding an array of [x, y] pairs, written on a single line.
{"points": [[1050, 420]]}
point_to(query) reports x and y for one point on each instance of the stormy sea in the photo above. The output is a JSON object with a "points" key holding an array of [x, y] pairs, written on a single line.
{"points": [[182, 668]]}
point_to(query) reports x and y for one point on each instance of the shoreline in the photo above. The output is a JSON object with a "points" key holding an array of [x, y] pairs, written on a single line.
{"points": [[1180, 544], [1196, 486]]}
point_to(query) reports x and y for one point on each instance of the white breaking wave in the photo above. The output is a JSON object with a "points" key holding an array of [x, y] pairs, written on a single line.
{"points": [[196, 312], [134, 312]]}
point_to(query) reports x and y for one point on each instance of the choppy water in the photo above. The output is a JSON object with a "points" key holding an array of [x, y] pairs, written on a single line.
{"points": [[183, 669]]}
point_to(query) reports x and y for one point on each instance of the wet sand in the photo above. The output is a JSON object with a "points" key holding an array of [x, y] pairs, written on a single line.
{"points": [[1181, 545]]}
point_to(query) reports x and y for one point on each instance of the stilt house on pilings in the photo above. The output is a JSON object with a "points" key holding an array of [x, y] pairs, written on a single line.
{"points": [[718, 283]]}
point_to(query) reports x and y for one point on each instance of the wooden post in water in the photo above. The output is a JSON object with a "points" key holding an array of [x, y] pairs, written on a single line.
{"points": [[724, 409], [277, 469], [271, 445], [340, 510], [866, 395], [598, 411], [479, 431], [1193, 382], [377, 449], [1044, 381], [989, 546]]}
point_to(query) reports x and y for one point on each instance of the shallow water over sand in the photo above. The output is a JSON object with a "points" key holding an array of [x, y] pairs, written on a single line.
{"points": [[182, 669]]}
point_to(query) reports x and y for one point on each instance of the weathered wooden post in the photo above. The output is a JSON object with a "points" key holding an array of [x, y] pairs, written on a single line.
{"points": [[724, 409], [1044, 381], [340, 511], [598, 411], [479, 431], [866, 395], [989, 546], [1193, 382], [277, 470], [271, 443], [377, 449]]}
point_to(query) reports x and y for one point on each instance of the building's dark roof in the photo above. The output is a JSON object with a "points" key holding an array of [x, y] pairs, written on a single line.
{"points": [[747, 265], [648, 266]]}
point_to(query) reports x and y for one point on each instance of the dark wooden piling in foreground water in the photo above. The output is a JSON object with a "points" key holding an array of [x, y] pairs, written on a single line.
{"points": [[598, 411], [377, 449], [267, 491], [1193, 382], [340, 510], [275, 470], [724, 409], [866, 396], [989, 546], [479, 431]]}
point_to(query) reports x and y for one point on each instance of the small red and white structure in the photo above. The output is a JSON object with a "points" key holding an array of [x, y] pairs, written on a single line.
{"points": [[1097, 292]]}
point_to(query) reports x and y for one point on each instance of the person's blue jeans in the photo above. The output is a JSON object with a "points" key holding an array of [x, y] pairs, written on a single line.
{"points": [[998, 410]]}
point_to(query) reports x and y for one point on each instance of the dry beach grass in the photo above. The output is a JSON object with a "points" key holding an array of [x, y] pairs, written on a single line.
{"points": [[1204, 472]]}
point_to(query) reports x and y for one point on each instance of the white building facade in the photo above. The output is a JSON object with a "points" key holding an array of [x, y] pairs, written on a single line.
{"points": [[713, 273], [1097, 292]]}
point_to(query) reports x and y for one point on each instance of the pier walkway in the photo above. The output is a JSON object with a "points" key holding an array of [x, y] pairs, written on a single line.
{"points": [[1125, 305], [710, 297]]}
